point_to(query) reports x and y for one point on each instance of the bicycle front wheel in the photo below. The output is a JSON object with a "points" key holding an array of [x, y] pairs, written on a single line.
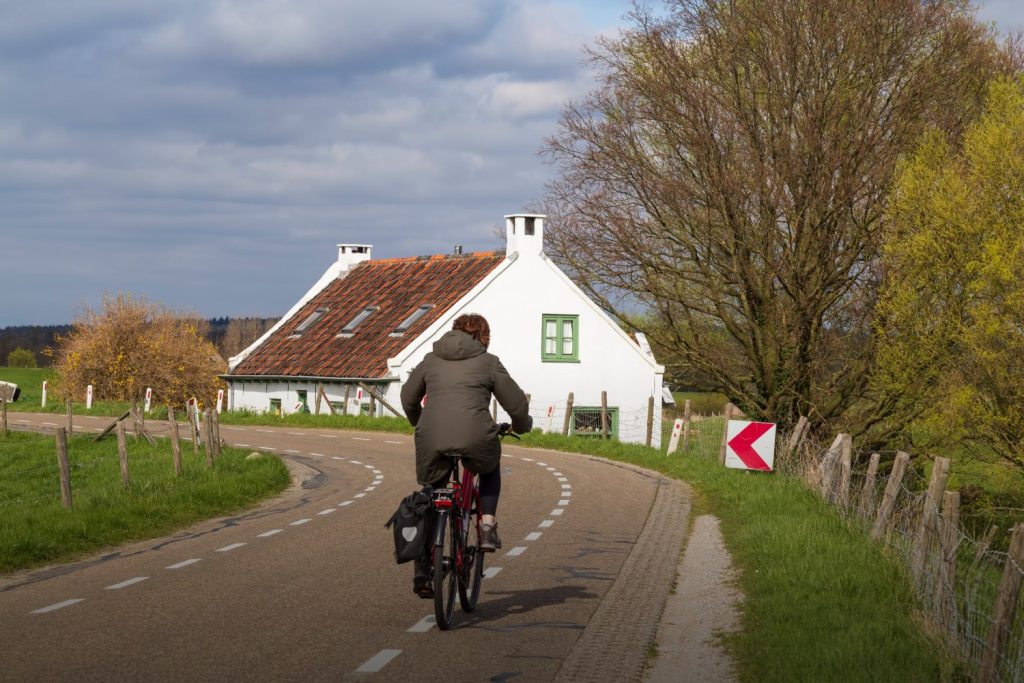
{"points": [[445, 555], [472, 565]]}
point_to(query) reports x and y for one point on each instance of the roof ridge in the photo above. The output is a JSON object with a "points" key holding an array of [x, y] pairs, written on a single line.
{"points": [[434, 257]]}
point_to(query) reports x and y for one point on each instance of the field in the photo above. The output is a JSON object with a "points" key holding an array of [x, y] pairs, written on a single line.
{"points": [[30, 381], [38, 530]]}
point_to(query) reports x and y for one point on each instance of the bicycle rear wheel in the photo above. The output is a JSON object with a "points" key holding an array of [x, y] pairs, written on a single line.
{"points": [[472, 563], [445, 554]]}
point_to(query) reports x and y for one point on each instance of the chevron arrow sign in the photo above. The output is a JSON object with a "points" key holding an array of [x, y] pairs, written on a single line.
{"points": [[750, 445]]}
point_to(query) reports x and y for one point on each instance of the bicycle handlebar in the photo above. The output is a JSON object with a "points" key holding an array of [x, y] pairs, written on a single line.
{"points": [[505, 429]]}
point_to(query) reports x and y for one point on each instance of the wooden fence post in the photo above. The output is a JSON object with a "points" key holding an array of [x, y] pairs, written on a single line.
{"points": [[985, 542], [568, 415], [650, 420], [319, 390], [673, 442], [729, 407], [71, 425], [867, 493], [604, 414], [846, 467], [1004, 609], [193, 425], [208, 426], [3, 406], [348, 391], [945, 587], [928, 526], [892, 488], [122, 454], [175, 441], [64, 467], [827, 466], [796, 437], [323, 396], [686, 426]]}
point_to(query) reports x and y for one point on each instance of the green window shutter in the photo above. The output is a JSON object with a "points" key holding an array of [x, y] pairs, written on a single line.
{"points": [[560, 341]]}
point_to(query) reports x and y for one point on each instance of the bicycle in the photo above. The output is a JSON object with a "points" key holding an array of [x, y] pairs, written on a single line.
{"points": [[455, 563]]}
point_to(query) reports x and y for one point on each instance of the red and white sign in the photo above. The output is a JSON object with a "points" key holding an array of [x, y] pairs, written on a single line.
{"points": [[149, 399], [750, 445], [551, 415], [220, 400], [88, 397], [677, 431]]}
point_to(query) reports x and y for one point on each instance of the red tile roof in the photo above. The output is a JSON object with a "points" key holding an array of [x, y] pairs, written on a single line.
{"points": [[397, 287]]}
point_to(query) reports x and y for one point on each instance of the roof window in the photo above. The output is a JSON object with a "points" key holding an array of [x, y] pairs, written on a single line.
{"points": [[411, 320], [361, 317], [308, 322]]}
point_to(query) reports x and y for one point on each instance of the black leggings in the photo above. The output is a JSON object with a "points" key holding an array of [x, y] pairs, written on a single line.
{"points": [[490, 489]]}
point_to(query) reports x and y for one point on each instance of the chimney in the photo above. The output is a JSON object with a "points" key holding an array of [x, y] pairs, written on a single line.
{"points": [[350, 255], [458, 250], [524, 234]]}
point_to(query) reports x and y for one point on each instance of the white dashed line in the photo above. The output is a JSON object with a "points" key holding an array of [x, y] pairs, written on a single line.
{"points": [[242, 445], [491, 572], [369, 467], [130, 582], [295, 434], [319, 455], [376, 472], [290, 450], [528, 459], [557, 511], [59, 605], [50, 424], [542, 464], [551, 469], [328, 436], [558, 474], [518, 550], [359, 438], [378, 661], [356, 462], [564, 501], [423, 625], [334, 457], [268, 534], [229, 548], [566, 487], [266, 431], [327, 511], [370, 488], [398, 442], [347, 502], [546, 523], [563, 479], [183, 563], [533, 536], [300, 522], [359, 495], [264, 448]]}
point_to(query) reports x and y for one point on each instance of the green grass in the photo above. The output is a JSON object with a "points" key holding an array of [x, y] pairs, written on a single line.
{"points": [[37, 530], [363, 423], [30, 381], [701, 402]]}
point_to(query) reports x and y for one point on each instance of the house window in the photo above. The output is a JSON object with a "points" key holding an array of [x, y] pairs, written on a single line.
{"points": [[308, 322], [302, 399], [586, 421], [361, 316], [560, 338], [411, 320], [275, 406]]}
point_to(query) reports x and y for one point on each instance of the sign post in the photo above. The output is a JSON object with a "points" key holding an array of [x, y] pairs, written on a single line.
{"points": [[44, 393], [88, 397], [355, 405], [220, 400], [551, 413], [750, 445], [149, 399], [673, 442]]}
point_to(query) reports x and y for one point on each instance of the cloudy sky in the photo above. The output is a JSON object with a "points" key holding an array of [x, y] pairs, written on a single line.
{"points": [[209, 154]]}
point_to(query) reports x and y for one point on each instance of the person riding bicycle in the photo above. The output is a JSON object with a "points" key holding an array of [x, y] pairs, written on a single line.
{"points": [[457, 379]]}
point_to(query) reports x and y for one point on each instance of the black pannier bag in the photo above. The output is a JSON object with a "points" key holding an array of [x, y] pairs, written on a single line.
{"points": [[411, 523]]}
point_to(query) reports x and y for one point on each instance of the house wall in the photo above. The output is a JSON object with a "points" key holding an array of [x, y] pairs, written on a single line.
{"points": [[256, 395], [514, 303]]}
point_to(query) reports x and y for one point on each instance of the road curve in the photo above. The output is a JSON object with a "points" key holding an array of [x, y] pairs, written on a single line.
{"points": [[304, 587]]}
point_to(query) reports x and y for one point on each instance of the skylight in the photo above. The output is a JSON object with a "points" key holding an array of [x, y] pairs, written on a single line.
{"points": [[308, 322], [413, 317], [358, 320]]}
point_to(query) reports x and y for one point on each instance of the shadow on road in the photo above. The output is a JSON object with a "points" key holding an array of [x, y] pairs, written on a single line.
{"points": [[496, 605]]}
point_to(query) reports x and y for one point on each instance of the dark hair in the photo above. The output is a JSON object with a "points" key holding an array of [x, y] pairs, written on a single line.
{"points": [[475, 326]]}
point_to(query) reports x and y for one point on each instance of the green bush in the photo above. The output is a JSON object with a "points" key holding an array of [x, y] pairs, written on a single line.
{"points": [[21, 358]]}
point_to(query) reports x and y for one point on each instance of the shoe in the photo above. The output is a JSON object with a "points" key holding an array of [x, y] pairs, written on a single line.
{"points": [[489, 541], [421, 584]]}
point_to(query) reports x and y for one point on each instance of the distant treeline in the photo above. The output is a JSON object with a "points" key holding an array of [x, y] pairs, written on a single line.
{"points": [[229, 335]]}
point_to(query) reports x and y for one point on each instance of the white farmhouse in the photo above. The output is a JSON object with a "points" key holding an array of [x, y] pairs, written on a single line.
{"points": [[360, 330]]}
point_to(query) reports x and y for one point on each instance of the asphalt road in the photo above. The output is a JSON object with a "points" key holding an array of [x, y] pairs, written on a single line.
{"points": [[305, 588]]}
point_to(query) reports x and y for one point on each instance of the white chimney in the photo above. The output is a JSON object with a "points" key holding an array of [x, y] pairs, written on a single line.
{"points": [[350, 255], [524, 234]]}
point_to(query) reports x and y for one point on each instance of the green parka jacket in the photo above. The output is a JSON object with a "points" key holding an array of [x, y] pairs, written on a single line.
{"points": [[457, 379]]}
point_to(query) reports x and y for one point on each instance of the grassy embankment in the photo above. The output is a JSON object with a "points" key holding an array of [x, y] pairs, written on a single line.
{"points": [[37, 530]]}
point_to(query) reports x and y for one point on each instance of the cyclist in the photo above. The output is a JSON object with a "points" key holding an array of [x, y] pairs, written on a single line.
{"points": [[457, 379]]}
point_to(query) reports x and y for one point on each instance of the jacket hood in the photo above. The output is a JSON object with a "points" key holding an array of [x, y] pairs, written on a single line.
{"points": [[457, 345]]}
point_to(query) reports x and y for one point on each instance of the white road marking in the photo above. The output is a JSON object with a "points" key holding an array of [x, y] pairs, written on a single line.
{"points": [[347, 502], [356, 462], [424, 624], [378, 661], [300, 522], [518, 550], [376, 471], [557, 511], [562, 479], [564, 501], [359, 438], [50, 424], [234, 427], [566, 486], [533, 536], [327, 511], [359, 495], [130, 582], [242, 445], [95, 429], [542, 464], [334, 457], [319, 455], [290, 450], [370, 488], [369, 467], [183, 563], [546, 523], [266, 431], [398, 442], [566, 493], [264, 448], [57, 606], [551, 469], [268, 534], [329, 436], [491, 572], [528, 459], [558, 474], [295, 434], [229, 548]]}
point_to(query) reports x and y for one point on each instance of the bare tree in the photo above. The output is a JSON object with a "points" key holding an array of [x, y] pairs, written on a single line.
{"points": [[728, 180]]}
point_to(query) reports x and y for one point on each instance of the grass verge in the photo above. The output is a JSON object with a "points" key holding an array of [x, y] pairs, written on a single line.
{"points": [[37, 530]]}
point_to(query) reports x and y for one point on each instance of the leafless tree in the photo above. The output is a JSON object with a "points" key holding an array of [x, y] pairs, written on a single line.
{"points": [[723, 190]]}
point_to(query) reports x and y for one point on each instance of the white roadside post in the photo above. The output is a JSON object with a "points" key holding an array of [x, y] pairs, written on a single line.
{"points": [[750, 445], [44, 393], [673, 442], [149, 399], [220, 400], [88, 397], [551, 413], [355, 405]]}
